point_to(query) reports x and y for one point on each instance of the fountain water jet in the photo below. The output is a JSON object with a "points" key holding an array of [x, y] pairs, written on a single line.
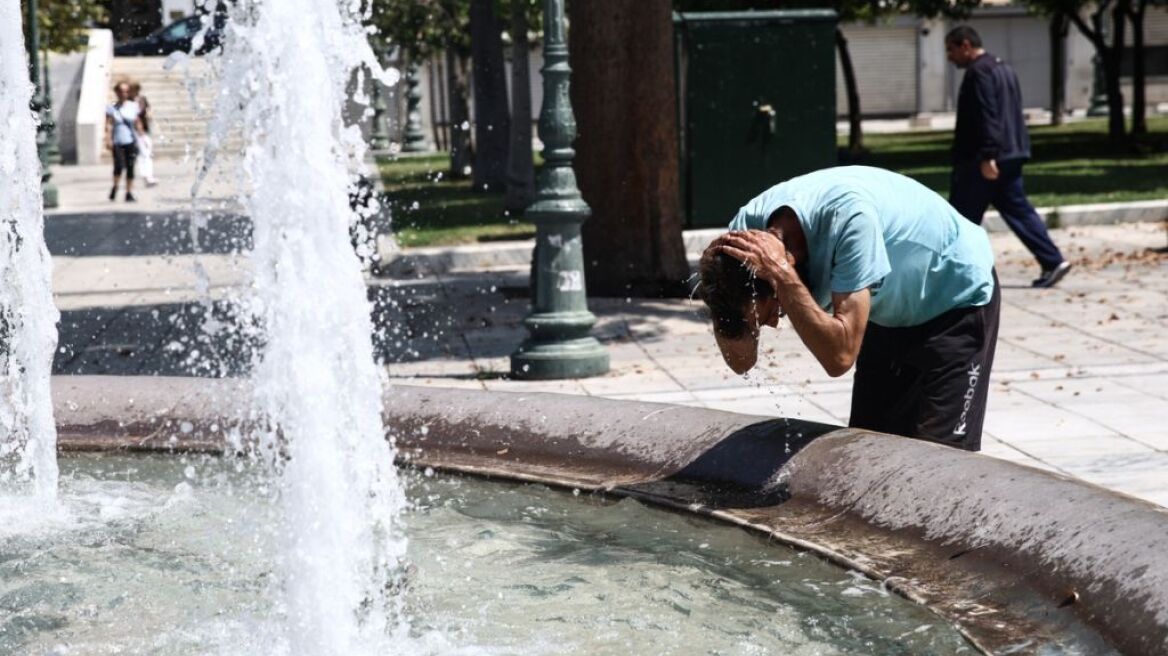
{"points": [[286, 67], [28, 318]]}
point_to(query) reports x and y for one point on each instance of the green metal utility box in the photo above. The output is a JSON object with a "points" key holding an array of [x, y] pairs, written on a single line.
{"points": [[756, 103]]}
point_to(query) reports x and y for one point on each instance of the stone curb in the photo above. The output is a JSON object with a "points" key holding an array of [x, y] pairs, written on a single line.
{"points": [[417, 262], [1018, 559]]}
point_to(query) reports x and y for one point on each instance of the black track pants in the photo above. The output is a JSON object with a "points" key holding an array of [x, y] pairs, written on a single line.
{"points": [[929, 381]]}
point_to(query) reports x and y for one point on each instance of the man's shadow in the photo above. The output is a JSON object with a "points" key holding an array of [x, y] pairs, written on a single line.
{"points": [[743, 469]]}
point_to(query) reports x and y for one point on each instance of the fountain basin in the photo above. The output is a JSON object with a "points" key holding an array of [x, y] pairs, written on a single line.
{"points": [[1018, 560]]}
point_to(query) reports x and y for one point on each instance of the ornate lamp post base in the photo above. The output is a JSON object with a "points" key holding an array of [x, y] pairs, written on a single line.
{"points": [[556, 359], [414, 137]]}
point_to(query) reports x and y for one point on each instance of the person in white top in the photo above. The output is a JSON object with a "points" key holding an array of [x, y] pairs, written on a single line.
{"points": [[123, 125], [145, 141]]}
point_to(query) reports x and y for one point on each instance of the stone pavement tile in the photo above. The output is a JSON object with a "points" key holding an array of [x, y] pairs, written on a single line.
{"points": [[1074, 452], [554, 386], [1066, 345], [627, 352], [650, 380], [1138, 414], [1130, 473], [432, 368], [1155, 437], [1071, 392], [454, 383], [1016, 357], [837, 404], [714, 395], [1018, 315], [1017, 423], [692, 345], [683, 397], [492, 344], [496, 367], [705, 377], [1003, 452], [1158, 497], [627, 369], [788, 405], [1153, 346]]}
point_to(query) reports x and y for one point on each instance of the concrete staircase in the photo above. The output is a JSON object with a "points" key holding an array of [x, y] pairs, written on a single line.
{"points": [[179, 127]]}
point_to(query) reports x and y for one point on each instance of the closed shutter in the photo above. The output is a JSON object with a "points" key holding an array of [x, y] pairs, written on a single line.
{"points": [[1155, 26], [885, 61]]}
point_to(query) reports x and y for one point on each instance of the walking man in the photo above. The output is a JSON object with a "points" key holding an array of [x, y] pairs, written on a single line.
{"points": [[873, 269], [990, 145]]}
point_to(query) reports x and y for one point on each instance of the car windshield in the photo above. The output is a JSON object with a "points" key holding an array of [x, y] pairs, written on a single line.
{"points": [[183, 29]]}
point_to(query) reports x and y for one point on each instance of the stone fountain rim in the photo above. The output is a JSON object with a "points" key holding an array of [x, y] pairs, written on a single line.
{"points": [[987, 560]]}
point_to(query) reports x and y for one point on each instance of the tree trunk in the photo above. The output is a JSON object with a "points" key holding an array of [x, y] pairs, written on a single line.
{"points": [[855, 127], [520, 164], [1139, 112], [1058, 69], [1112, 67], [1110, 58], [625, 97], [492, 118], [457, 75]]}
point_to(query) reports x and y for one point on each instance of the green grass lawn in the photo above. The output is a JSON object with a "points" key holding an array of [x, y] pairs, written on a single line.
{"points": [[1071, 164], [430, 209]]}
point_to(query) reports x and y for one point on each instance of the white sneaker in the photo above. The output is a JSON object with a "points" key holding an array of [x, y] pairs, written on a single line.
{"points": [[1050, 277]]}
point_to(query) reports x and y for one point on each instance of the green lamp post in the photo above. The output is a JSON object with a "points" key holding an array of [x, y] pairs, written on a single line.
{"points": [[53, 142], [414, 139], [559, 345], [1098, 104], [378, 135], [48, 189]]}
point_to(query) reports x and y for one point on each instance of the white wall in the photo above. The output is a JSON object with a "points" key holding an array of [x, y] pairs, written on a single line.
{"points": [[173, 10], [95, 85]]}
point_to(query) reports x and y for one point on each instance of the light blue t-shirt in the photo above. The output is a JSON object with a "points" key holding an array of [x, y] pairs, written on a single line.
{"points": [[127, 113], [868, 227]]}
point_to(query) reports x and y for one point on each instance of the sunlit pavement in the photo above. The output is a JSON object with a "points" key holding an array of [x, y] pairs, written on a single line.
{"points": [[1080, 383]]}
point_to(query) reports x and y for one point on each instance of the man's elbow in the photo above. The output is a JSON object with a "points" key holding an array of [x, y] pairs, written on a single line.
{"points": [[838, 366]]}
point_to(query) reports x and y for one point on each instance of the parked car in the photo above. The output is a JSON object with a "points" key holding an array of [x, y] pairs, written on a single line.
{"points": [[177, 37]]}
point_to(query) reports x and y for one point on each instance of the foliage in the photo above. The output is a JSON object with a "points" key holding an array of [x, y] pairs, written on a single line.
{"points": [[426, 27], [63, 25], [847, 10], [422, 27]]}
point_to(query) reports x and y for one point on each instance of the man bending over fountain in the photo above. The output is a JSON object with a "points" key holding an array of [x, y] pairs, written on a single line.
{"points": [[872, 269]]}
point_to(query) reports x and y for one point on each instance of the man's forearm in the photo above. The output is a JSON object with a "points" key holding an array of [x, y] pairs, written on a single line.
{"points": [[829, 337]]}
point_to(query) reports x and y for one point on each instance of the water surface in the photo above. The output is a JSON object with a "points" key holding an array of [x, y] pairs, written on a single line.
{"points": [[171, 556]]}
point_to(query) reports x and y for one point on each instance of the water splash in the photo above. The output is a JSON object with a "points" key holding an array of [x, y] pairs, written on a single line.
{"points": [[28, 318], [285, 71]]}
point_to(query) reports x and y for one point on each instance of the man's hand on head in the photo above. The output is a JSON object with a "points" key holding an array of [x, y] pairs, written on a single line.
{"points": [[762, 252]]}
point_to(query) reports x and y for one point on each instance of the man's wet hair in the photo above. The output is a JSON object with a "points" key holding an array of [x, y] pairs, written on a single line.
{"points": [[963, 33], [727, 287]]}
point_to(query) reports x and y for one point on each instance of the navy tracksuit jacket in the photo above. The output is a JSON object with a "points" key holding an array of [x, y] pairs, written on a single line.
{"points": [[990, 126]]}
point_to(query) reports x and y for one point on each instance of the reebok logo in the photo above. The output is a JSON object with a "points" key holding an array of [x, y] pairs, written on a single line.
{"points": [[974, 376]]}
